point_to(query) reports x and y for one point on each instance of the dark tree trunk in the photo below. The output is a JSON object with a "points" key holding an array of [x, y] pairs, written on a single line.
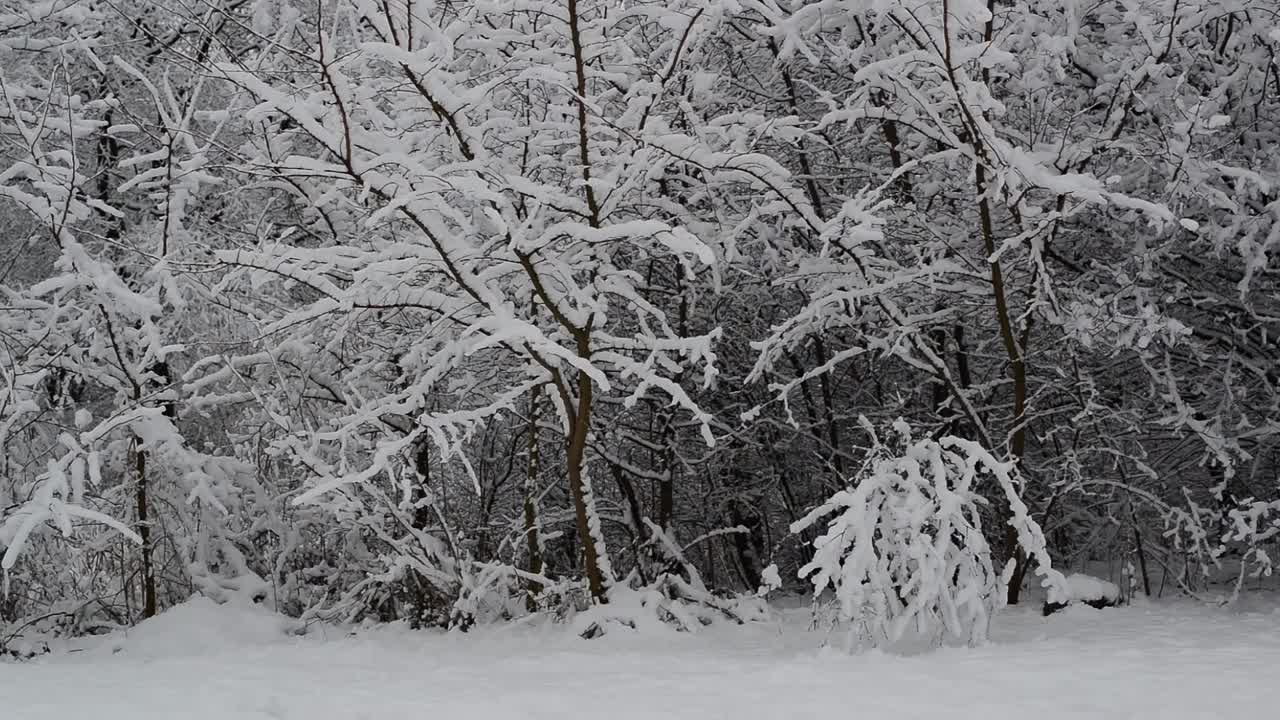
{"points": [[583, 500], [144, 532], [531, 533]]}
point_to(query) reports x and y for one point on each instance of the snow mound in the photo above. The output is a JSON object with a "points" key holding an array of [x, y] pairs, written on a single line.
{"points": [[669, 605], [1086, 588], [200, 626], [1083, 589]]}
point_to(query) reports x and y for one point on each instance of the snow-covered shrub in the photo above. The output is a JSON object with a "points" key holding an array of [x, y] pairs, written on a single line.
{"points": [[408, 584], [222, 575], [1246, 531], [669, 603], [491, 591], [904, 543], [1255, 531], [1085, 589], [676, 596], [32, 636]]}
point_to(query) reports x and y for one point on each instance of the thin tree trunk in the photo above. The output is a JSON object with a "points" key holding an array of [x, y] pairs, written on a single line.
{"points": [[162, 375], [635, 520], [746, 544], [666, 486], [829, 411], [1014, 351], [531, 533], [1018, 371], [666, 497], [1142, 555], [594, 554], [589, 530], [144, 532]]}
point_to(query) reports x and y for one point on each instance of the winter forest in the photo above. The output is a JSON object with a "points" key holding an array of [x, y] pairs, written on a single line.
{"points": [[606, 315]]}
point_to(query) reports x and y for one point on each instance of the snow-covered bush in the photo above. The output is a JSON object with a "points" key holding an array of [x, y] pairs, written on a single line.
{"points": [[1245, 531], [1085, 589], [904, 543], [676, 596], [1255, 529], [29, 637]]}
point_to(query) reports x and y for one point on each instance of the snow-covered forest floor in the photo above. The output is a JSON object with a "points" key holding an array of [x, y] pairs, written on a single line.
{"points": [[1161, 660]]}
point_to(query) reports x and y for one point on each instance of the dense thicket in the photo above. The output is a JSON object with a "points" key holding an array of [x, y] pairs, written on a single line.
{"points": [[455, 310]]}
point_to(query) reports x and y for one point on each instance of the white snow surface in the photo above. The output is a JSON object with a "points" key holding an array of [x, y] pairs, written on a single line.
{"points": [[1083, 587], [201, 628], [207, 662]]}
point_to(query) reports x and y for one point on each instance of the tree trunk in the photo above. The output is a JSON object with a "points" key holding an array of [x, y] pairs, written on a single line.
{"points": [[747, 545], [635, 521], [1142, 554], [594, 559], [531, 534], [162, 378], [666, 488], [829, 413], [144, 532], [588, 522], [667, 497]]}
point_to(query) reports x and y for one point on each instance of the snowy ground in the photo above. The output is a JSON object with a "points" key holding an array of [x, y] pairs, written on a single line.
{"points": [[207, 663]]}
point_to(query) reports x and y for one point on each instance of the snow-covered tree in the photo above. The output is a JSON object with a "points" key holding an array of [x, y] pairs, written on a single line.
{"points": [[904, 546], [453, 311], [504, 181], [102, 162]]}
